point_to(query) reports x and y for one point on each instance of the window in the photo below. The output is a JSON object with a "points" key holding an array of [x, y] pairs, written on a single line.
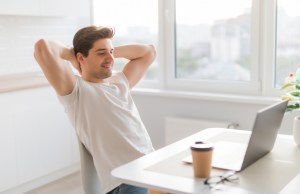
{"points": [[213, 46], [219, 46], [213, 42], [288, 39], [133, 24]]}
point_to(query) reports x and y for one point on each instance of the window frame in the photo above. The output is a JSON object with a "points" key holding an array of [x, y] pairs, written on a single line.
{"points": [[268, 58]]}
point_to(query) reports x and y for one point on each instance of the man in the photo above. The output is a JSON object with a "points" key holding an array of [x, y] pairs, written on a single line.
{"points": [[98, 103]]}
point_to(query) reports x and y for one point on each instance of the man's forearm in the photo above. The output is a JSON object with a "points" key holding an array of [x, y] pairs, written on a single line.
{"points": [[133, 51], [62, 51], [68, 54], [57, 49], [140, 57]]}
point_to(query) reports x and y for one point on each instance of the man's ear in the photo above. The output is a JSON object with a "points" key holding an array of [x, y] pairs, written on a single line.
{"points": [[80, 58], [80, 61]]}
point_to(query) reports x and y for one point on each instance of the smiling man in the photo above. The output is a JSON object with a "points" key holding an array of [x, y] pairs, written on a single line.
{"points": [[98, 103]]}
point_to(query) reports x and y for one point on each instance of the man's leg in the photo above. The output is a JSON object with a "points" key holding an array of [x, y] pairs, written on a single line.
{"points": [[130, 189]]}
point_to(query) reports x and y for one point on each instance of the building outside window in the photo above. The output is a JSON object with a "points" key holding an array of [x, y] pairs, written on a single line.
{"points": [[213, 42], [288, 39]]}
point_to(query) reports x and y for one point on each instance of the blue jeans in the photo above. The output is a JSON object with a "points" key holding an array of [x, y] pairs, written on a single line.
{"points": [[128, 189]]}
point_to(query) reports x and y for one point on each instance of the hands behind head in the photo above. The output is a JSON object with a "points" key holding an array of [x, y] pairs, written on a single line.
{"points": [[74, 61]]}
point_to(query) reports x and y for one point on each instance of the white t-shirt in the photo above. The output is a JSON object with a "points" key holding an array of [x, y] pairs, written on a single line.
{"points": [[108, 123]]}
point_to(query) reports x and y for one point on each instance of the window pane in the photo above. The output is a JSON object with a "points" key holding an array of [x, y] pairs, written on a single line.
{"points": [[288, 39], [213, 39], [135, 21]]}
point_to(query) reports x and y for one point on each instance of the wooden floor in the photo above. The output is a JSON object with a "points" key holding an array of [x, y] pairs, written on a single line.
{"points": [[67, 185]]}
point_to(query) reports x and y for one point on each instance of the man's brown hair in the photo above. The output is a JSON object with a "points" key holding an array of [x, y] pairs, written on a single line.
{"points": [[84, 39]]}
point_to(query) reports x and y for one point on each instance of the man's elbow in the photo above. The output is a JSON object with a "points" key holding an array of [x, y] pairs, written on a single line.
{"points": [[152, 52], [41, 50], [40, 45]]}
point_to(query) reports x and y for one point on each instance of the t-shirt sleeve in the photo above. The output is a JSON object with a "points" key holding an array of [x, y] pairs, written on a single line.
{"points": [[120, 76]]}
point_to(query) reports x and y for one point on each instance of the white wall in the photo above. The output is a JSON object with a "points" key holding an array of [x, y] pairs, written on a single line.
{"points": [[154, 108], [19, 33]]}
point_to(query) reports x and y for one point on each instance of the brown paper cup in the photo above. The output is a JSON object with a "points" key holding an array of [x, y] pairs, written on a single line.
{"points": [[202, 158]]}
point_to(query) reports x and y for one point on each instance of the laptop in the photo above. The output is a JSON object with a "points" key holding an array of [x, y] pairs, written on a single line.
{"points": [[237, 156]]}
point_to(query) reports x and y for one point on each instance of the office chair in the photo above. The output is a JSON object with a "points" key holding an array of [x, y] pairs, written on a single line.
{"points": [[89, 176]]}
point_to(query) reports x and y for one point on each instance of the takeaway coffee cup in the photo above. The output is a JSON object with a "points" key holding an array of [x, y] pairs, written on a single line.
{"points": [[202, 158]]}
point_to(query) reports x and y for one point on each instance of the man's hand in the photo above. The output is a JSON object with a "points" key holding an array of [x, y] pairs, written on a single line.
{"points": [[72, 58]]}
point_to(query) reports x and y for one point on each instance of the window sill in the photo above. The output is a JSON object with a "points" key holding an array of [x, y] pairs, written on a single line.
{"points": [[22, 81], [263, 100]]}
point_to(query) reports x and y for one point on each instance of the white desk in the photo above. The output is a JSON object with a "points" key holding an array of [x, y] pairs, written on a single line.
{"points": [[163, 169]]}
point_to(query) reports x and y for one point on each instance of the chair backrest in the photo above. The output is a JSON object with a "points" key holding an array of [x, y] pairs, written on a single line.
{"points": [[89, 176]]}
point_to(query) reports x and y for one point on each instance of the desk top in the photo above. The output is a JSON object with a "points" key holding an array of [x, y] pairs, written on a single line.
{"points": [[164, 170]]}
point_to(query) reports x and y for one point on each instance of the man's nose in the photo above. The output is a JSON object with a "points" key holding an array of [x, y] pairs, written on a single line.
{"points": [[109, 57]]}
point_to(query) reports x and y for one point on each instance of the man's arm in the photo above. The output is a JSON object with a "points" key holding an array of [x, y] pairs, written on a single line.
{"points": [[140, 57], [50, 56]]}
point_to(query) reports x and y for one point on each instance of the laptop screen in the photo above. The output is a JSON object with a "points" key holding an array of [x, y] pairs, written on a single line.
{"points": [[264, 132]]}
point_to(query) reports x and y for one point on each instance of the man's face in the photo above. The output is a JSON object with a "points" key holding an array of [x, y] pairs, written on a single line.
{"points": [[99, 62]]}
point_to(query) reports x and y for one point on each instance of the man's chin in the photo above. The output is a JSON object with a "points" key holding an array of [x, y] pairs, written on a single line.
{"points": [[107, 75]]}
